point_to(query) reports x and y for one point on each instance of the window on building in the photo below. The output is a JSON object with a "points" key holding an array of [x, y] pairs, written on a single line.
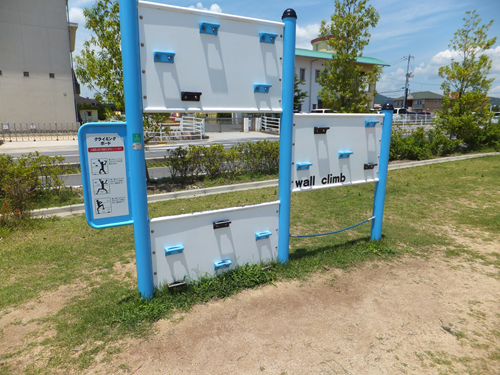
{"points": [[302, 74], [320, 104], [436, 102], [316, 75], [26, 74], [314, 106], [89, 113], [52, 75]]}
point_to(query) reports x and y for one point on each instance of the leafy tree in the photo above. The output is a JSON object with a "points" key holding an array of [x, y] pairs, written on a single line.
{"points": [[343, 81], [465, 87], [298, 94], [99, 66]]}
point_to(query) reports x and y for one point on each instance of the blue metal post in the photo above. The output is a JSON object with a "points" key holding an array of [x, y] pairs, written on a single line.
{"points": [[285, 174], [380, 186], [129, 27]]}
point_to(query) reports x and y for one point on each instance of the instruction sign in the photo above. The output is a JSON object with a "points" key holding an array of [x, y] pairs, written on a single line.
{"points": [[104, 174], [200, 61], [332, 150]]}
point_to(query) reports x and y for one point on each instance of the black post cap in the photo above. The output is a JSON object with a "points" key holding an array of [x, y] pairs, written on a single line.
{"points": [[387, 107], [289, 13]]}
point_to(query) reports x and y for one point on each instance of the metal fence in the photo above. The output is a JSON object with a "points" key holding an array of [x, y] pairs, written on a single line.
{"points": [[409, 123], [188, 128], [41, 131], [220, 125], [270, 125]]}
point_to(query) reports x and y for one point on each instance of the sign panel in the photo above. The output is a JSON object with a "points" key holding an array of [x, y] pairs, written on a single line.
{"points": [[200, 61], [104, 174], [187, 247], [335, 149]]}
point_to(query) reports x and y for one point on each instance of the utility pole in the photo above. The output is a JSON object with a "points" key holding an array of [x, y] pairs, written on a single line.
{"points": [[408, 76]]}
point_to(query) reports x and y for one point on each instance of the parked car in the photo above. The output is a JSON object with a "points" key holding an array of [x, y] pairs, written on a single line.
{"points": [[496, 117], [400, 111]]}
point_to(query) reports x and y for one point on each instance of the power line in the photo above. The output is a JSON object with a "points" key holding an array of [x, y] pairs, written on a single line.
{"points": [[398, 61]]}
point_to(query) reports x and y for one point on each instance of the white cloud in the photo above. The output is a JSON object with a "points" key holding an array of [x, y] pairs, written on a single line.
{"points": [[305, 34], [443, 58], [390, 84], [213, 8], [76, 15], [495, 91]]}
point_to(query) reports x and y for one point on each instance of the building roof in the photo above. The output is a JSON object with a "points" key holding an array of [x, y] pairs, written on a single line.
{"points": [[328, 55], [82, 100], [422, 95]]}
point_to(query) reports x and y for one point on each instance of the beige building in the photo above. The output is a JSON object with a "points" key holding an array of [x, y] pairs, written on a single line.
{"points": [[308, 64], [37, 84], [423, 101]]}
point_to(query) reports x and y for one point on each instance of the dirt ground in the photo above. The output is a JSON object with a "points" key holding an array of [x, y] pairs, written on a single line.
{"points": [[413, 315]]}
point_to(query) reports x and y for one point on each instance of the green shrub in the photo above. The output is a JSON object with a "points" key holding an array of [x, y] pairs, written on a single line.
{"points": [[259, 157], [214, 161], [409, 146], [181, 163], [491, 135], [441, 144], [24, 180]]}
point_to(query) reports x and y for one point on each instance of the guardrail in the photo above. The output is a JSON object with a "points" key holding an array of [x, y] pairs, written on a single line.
{"points": [[223, 125], [188, 128], [270, 125], [40, 131]]}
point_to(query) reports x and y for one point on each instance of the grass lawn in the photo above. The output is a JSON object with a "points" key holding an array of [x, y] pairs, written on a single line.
{"points": [[46, 254]]}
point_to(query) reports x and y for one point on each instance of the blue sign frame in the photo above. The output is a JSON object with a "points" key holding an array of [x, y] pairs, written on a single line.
{"points": [[119, 128]]}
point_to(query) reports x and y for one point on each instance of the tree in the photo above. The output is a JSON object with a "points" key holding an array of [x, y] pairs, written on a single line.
{"points": [[465, 87], [298, 94], [344, 82], [99, 66]]}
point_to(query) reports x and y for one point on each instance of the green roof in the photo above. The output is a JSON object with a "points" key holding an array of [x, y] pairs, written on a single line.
{"points": [[328, 56], [421, 95]]}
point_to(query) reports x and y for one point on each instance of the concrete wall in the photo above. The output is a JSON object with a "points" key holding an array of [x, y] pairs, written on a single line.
{"points": [[34, 38]]}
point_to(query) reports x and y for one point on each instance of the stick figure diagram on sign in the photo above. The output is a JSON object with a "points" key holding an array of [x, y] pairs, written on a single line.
{"points": [[100, 166], [101, 186], [102, 206]]}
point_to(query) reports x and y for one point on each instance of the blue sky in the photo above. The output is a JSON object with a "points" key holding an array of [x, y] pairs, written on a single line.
{"points": [[422, 29]]}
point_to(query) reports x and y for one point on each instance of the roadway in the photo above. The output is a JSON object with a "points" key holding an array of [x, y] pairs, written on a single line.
{"points": [[69, 148]]}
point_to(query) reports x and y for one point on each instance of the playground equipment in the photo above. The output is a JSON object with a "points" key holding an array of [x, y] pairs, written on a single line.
{"points": [[187, 60]]}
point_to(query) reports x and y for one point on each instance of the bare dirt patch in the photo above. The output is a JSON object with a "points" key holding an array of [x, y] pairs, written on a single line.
{"points": [[411, 316], [408, 316]]}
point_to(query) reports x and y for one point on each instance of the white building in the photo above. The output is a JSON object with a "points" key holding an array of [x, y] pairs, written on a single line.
{"points": [[308, 64], [36, 79]]}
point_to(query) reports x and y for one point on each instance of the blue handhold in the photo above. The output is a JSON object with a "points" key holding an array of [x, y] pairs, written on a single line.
{"points": [[174, 250], [222, 264], [267, 37], [209, 28], [303, 166], [344, 154], [260, 87], [262, 235], [164, 57], [370, 123]]}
